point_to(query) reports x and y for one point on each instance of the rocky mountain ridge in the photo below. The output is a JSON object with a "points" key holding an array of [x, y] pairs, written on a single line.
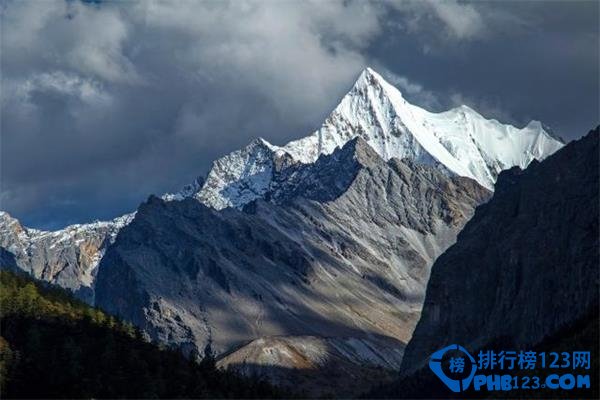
{"points": [[458, 142], [340, 252], [68, 257]]}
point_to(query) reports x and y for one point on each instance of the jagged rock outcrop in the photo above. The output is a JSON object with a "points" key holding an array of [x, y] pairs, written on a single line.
{"points": [[524, 266], [339, 249], [68, 257]]}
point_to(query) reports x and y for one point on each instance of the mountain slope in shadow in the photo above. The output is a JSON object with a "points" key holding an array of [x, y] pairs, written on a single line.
{"points": [[523, 273]]}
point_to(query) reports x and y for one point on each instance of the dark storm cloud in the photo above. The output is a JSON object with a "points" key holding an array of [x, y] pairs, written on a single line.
{"points": [[105, 103]]}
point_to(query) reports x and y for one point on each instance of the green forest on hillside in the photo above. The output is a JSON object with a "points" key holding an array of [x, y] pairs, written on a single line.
{"points": [[54, 346]]}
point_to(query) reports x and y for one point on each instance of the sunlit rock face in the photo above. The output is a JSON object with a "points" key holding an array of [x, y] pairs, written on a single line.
{"points": [[68, 257], [339, 250]]}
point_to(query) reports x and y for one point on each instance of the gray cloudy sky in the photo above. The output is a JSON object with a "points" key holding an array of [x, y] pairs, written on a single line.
{"points": [[104, 103]]}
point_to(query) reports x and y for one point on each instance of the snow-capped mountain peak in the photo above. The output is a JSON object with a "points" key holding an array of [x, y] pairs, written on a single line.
{"points": [[242, 176], [459, 141], [369, 78]]}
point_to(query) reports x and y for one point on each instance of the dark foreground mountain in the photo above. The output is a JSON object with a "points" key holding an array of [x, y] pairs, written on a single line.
{"points": [[327, 273], [523, 273], [53, 346]]}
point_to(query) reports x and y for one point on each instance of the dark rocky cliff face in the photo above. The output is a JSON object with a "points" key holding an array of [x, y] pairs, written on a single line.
{"points": [[524, 266]]}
